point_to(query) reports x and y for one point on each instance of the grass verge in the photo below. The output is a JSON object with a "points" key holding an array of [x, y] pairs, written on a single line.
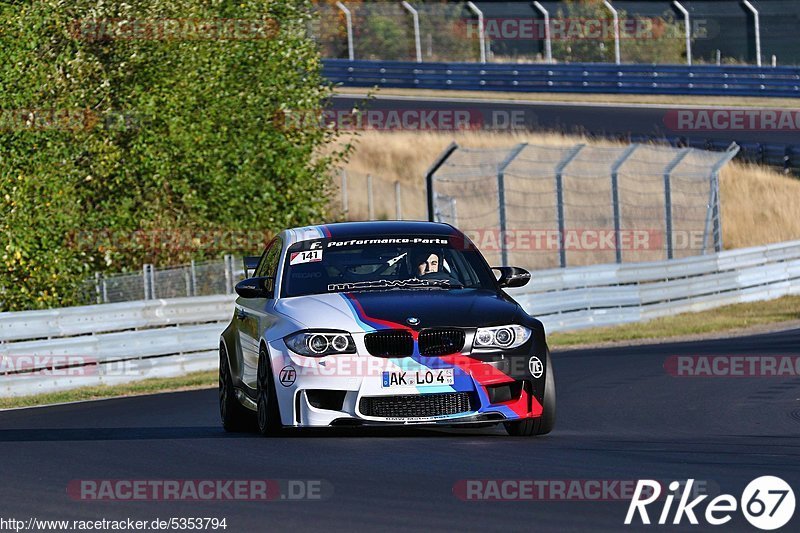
{"points": [[721, 319], [195, 380]]}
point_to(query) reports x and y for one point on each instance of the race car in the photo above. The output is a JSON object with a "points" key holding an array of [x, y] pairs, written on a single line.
{"points": [[382, 323]]}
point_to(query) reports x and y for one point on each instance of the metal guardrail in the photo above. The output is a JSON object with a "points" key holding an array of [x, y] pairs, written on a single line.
{"points": [[116, 343], [605, 295], [58, 349], [734, 80]]}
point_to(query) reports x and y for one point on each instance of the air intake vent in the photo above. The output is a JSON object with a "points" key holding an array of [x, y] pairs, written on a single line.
{"points": [[389, 343], [416, 406], [441, 341]]}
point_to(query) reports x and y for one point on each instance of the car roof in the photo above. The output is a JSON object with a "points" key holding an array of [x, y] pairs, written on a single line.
{"points": [[351, 230]]}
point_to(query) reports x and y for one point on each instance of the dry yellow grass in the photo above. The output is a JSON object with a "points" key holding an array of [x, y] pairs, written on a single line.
{"points": [[759, 204]]}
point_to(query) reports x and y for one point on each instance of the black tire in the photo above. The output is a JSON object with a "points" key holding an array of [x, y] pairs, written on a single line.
{"points": [[545, 423], [235, 417], [268, 414]]}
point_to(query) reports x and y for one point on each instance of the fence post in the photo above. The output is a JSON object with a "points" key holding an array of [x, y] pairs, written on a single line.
{"points": [[713, 212], [668, 196], [228, 277], [345, 208], [398, 208], [153, 292], [97, 287], [559, 170], [349, 21], [370, 204], [548, 46], [501, 199], [105, 290], [615, 196], [146, 281], [452, 147], [193, 272]]}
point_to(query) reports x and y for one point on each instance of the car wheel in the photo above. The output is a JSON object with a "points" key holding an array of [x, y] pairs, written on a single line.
{"points": [[235, 417], [268, 416], [545, 423]]}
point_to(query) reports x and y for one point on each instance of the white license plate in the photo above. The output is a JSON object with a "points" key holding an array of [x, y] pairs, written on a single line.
{"points": [[418, 378]]}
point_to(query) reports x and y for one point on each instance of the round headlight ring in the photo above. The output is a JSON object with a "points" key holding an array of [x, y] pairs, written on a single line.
{"points": [[504, 337], [484, 338], [340, 343], [318, 343]]}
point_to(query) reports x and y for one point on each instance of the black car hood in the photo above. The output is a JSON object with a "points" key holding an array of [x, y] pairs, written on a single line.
{"points": [[436, 308]]}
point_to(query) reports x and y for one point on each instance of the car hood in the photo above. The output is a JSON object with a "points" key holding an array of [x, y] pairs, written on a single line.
{"points": [[386, 309]]}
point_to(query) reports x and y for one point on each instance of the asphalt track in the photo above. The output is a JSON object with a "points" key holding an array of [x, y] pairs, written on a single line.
{"points": [[621, 417], [577, 117]]}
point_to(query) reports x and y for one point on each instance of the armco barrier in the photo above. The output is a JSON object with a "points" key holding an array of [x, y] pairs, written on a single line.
{"points": [[733, 80], [600, 295], [157, 338], [110, 343]]}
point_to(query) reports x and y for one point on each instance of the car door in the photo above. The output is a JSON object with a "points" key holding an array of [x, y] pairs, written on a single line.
{"points": [[254, 314]]}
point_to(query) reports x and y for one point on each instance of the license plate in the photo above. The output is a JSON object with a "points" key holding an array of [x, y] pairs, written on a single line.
{"points": [[418, 378]]}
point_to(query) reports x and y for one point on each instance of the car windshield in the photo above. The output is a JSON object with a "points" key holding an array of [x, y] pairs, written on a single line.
{"points": [[383, 263]]}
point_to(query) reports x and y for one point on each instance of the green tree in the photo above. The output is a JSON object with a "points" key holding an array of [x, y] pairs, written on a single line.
{"points": [[162, 116]]}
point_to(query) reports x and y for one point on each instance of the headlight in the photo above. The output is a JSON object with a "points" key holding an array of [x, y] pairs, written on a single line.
{"points": [[320, 343], [503, 337]]}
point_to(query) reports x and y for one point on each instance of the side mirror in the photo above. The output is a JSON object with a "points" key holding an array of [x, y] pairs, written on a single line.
{"points": [[256, 287], [512, 276], [250, 265]]}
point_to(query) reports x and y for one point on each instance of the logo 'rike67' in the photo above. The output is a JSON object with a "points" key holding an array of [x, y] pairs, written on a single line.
{"points": [[767, 503]]}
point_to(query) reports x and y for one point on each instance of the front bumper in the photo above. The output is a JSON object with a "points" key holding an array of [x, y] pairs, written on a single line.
{"points": [[343, 389]]}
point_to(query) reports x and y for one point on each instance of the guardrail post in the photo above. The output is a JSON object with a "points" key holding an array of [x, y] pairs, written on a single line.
{"points": [[559, 170], [668, 196], [452, 147], [615, 197], [398, 208], [370, 204], [501, 199]]}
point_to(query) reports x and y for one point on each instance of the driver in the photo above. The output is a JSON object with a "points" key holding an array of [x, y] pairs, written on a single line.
{"points": [[426, 262]]}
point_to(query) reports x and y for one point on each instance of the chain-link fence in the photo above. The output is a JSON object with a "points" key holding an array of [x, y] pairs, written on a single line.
{"points": [[547, 206], [386, 30], [372, 197], [195, 279]]}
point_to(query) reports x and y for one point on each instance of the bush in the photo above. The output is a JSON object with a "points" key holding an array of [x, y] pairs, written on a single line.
{"points": [[106, 135]]}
